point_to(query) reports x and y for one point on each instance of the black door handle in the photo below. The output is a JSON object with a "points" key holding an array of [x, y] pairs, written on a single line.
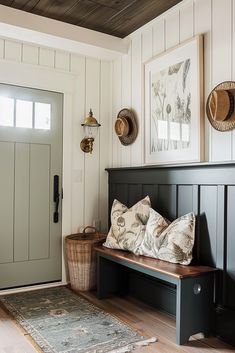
{"points": [[56, 198]]}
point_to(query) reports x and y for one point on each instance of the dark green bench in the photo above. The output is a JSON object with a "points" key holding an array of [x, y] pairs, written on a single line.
{"points": [[194, 286]]}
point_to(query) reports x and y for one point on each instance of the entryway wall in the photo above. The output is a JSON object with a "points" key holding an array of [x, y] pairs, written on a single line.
{"points": [[216, 20], [106, 87], [86, 83]]}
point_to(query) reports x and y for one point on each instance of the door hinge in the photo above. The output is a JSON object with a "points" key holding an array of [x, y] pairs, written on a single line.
{"points": [[62, 193]]}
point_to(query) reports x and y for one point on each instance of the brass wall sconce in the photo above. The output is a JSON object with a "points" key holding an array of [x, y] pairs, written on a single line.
{"points": [[91, 126]]}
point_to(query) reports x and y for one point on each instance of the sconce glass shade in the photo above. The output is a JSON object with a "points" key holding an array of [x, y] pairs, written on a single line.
{"points": [[91, 126], [90, 131]]}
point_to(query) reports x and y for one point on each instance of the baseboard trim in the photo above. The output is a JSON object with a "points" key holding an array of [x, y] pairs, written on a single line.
{"points": [[33, 287]]}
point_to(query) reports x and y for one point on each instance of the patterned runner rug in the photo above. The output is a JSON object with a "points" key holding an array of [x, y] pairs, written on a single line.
{"points": [[60, 321]]}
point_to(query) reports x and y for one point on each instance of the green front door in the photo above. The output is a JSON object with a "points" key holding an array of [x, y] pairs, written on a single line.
{"points": [[30, 157]]}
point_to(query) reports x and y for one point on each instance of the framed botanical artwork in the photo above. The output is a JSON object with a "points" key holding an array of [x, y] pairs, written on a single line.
{"points": [[174, 105]]}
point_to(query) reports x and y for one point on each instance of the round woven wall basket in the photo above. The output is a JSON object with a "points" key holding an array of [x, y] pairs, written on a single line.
{"points": [[81, 258]]}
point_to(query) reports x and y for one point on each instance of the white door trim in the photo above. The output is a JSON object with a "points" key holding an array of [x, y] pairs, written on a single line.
{"points": [[43, 78]]}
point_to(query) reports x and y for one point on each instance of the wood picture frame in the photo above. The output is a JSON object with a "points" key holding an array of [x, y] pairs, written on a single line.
{"points": [[174, 113]]}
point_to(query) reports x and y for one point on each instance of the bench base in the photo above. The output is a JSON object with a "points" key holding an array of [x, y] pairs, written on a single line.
{"points": [[194, 295]]}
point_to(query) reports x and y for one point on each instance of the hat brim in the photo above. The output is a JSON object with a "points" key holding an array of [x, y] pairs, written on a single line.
{"points": [[133, 127], [224, 125]]}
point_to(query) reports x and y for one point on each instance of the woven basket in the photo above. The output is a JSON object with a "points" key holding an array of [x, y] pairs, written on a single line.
{"points": [[81, 258]]}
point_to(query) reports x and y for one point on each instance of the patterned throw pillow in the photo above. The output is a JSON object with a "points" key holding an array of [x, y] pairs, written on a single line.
{"points": [[152, 238], [167, 241], [128, 225]]}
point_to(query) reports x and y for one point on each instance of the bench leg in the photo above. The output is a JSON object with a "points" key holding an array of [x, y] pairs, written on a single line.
{"points": [[194, 307]]}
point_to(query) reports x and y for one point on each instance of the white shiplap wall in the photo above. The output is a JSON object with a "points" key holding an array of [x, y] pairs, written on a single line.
{"points": [[92, 88], [216, 20]]}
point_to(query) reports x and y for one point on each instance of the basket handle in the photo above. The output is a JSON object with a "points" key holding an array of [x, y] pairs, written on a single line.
{"points": [[89, 227]]}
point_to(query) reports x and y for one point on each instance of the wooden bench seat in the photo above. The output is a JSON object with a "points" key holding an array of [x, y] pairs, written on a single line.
{"points": [[194, 286]]}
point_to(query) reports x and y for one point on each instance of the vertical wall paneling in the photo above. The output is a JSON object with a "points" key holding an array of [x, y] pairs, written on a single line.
{"points": [[30, 54], [195, 205], [13, 50], [167, 198], [47, 57], [136, 98], [220, 243], [21, 226], [92, 160], [2, 43], [126, 102], [39, 201], [215, 20], [117, 101], [146, 54], [220, 227], [172, 29], [152, 190], [77, 64], [159, 37], [202, 25], [67, 163], [195, 209], [123, 192], [230, 249], [147, 44], [105, 120], [111, 107], [185, 199], [126, 80], [186, 21], [78, 157], [207, 225], [134, 194], [233, 67], [6, 201], [62, 60], [221, 58]]}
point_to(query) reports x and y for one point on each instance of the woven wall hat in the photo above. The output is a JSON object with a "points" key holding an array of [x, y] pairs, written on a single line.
{"points": [[126, 126], [220, 106]]}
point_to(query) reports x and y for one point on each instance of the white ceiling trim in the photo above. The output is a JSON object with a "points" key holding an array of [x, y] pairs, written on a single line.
{"points": [[24, 26]]}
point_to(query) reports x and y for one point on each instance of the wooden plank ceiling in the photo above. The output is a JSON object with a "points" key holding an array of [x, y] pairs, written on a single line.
{"points": [[116, 17]]}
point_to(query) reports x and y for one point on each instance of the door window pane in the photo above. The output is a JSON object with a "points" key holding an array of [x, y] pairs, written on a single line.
{"points": [[6, 111], [24, 113], [42, 116]]}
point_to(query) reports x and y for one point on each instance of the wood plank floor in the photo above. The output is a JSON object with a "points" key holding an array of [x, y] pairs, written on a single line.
{"points": [[12, 340], [147, 320]]}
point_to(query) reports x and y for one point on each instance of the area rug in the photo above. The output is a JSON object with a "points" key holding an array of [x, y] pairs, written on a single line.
{"points": [[60, 321]]}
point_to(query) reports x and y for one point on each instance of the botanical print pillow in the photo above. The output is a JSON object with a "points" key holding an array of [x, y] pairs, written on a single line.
{"points": [[152, 238], [128, 225], [167, 241], [178, 241]]}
